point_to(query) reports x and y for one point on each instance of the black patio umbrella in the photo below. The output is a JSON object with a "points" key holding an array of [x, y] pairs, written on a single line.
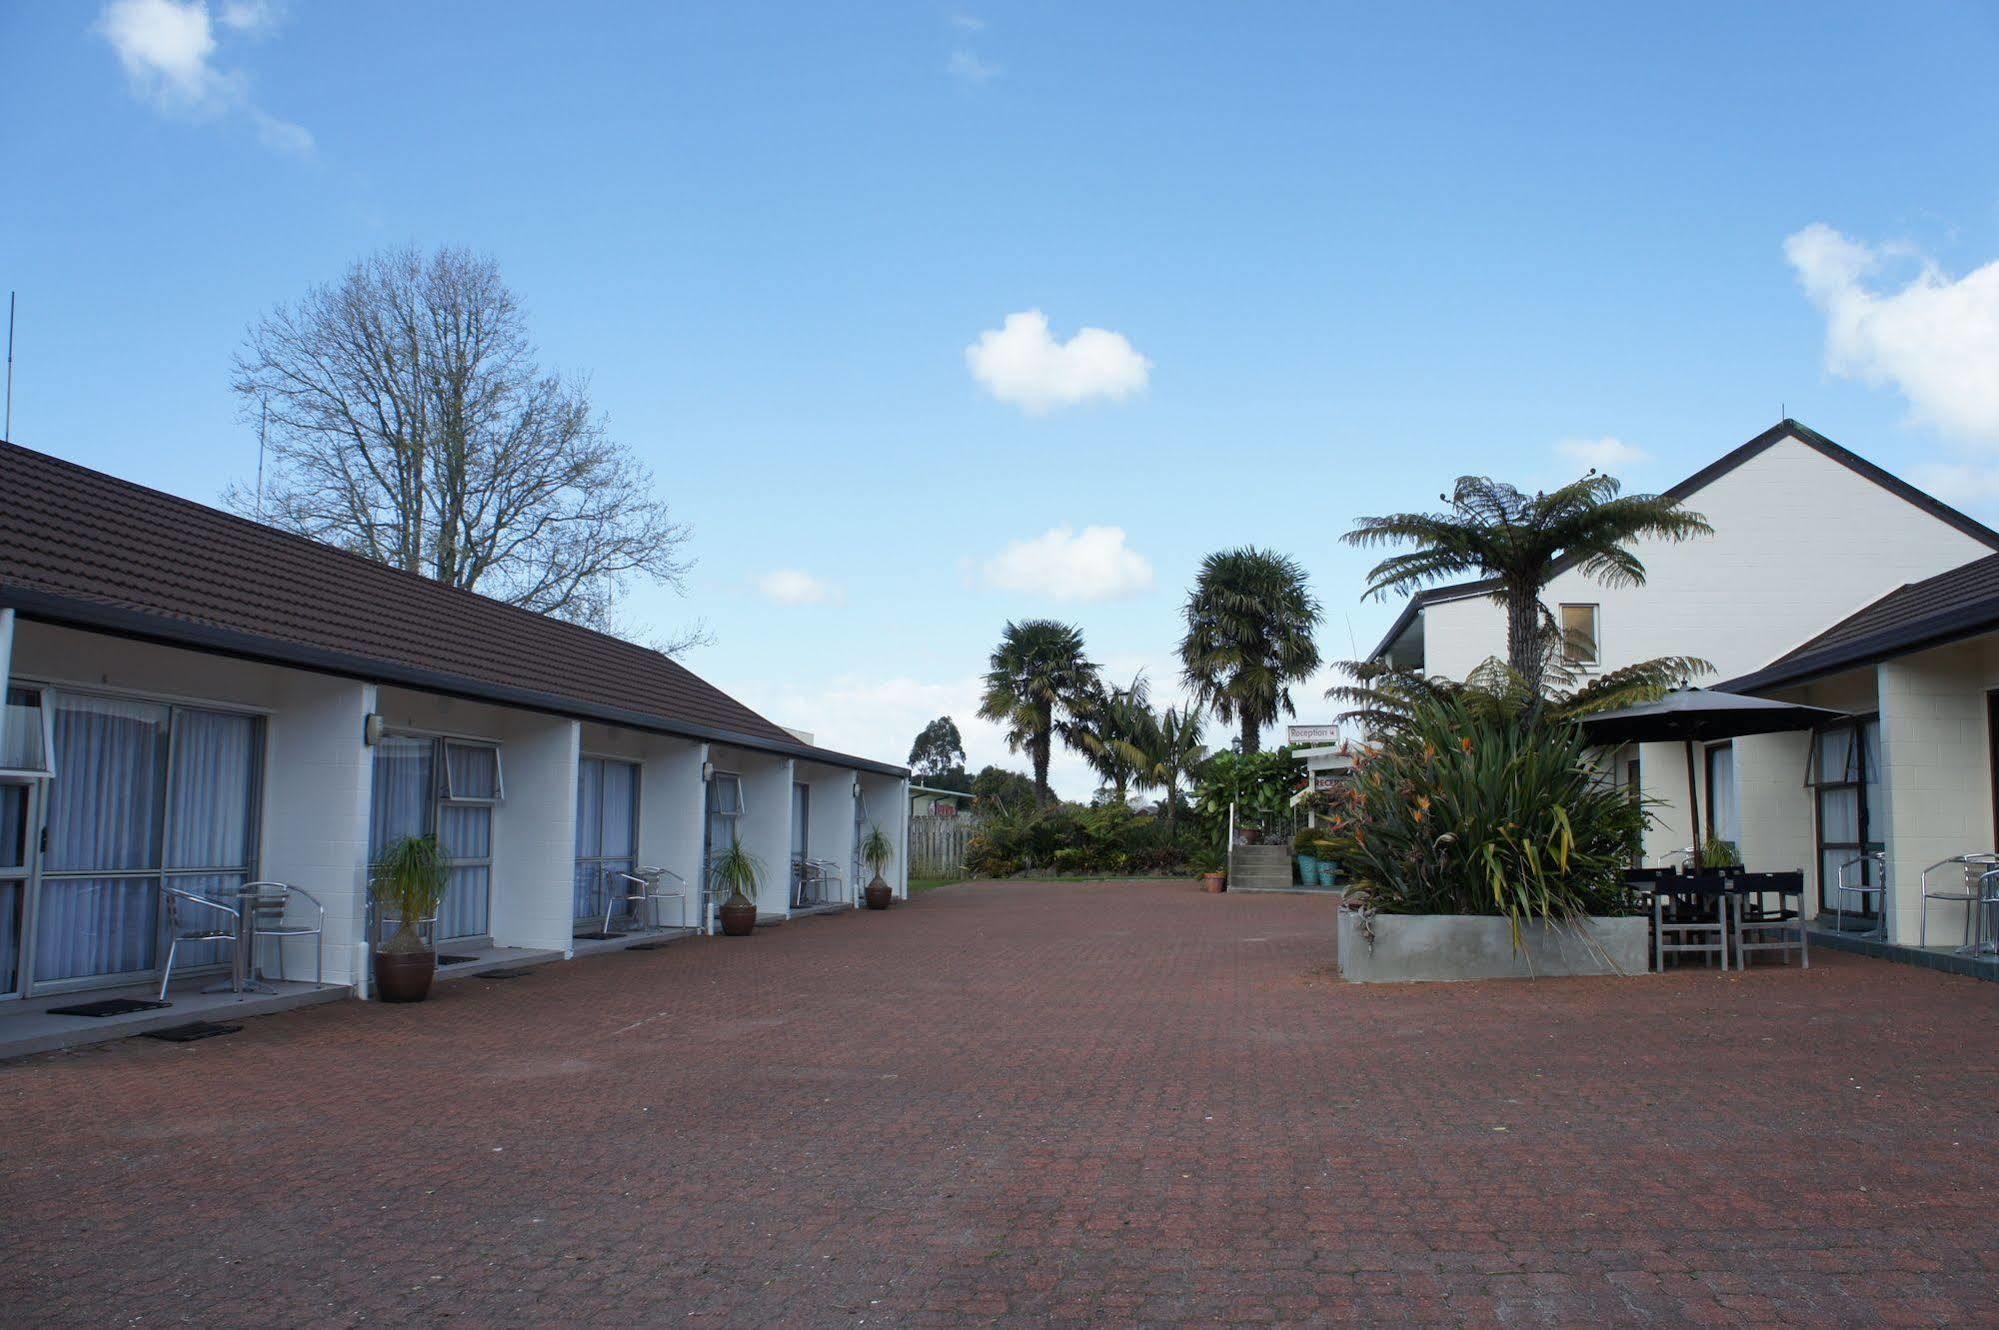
{"points": [[1691, 714]]}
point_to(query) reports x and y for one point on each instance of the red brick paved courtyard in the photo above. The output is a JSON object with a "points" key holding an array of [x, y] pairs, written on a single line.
{"points": [[1071, 1105]]}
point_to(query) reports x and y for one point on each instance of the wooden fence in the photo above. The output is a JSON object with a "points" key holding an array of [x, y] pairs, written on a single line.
{"points": [[937, 845]]}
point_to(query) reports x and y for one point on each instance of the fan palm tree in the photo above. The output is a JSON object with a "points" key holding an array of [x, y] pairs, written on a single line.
{"points": [[1520, 542], [1116, 731], [1039, 683], [1175, 755], [1249, 637]]}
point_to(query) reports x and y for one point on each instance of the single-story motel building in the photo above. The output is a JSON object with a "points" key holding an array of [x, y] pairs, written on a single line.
{"points": [[196, 701]]}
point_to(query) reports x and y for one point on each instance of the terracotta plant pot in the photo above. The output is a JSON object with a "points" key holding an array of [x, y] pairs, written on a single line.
{"points": [[738, 920], [404, 976], [1215, 882], [879, 894]]}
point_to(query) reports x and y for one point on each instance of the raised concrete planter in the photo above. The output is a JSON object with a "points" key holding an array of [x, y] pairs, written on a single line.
{"points": [[1415, 948]]}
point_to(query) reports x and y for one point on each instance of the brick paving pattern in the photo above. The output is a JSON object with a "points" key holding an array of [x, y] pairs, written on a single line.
{"points": [[1098, 1105]]}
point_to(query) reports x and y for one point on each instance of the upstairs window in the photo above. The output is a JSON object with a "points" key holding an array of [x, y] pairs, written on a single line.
{"points": [[1579, 634]]}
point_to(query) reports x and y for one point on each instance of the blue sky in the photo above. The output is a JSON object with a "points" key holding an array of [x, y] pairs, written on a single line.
{"points": [[1338, 255]]}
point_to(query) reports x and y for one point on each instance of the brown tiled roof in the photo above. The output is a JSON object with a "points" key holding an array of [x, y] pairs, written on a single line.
{"points": [[81, 547], [1946, 608]]}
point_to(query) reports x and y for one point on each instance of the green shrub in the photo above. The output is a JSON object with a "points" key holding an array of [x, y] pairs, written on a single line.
{"points": [[1465, 811]]}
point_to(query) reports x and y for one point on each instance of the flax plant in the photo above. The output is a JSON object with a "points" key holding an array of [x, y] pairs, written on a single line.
{"points": [[1465, 809]]}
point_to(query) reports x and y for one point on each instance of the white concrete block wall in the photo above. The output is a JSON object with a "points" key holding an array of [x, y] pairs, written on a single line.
{"points": [[1800, 543], [534, 833], [672, 804], [1778, 831], [766, 827], [1662, 781], [1937, 776], [830, 827], [888, 808], [315, 828]]}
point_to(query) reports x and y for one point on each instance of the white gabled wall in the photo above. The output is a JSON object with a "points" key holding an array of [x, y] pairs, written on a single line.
{"points": [[1800, 542], [766, 825]]}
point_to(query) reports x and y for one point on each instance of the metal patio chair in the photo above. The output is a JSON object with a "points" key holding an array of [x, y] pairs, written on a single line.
{"points": [[1971, 868], [637, 889], [181, 929], [832, 882], [1842, 889], [1760, 924], [268, 903]]}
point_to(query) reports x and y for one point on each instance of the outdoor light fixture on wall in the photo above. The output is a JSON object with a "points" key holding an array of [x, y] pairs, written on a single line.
{"points": [[371, 728], [707, 771]]}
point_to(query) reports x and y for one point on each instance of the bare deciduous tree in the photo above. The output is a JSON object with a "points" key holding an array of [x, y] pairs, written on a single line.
{"points": [[409, 421]]}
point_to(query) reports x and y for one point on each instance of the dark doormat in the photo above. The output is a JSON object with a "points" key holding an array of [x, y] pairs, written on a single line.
{"points": [[187, 1034], [108, 1007], [456, 960], [650, 946], [503, 974], [597, 937]]}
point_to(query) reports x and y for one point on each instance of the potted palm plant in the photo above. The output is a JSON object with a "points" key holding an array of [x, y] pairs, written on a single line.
{"points": [[408, 880], [876, 851], [742, 873]]}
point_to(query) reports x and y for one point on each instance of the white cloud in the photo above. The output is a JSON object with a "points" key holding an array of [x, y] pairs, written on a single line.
{"points": [[167, 49], [1935, 340], [969, 67], [1091, 564], [1605, 454], [1021, 363], [964, 22], [793, 586]]}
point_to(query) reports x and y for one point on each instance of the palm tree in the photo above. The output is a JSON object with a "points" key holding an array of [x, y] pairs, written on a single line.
{"points": [[1249, 637], [1038, 684], [1175, 755], [1520, 542], [1383, 698], [1115, 732]]}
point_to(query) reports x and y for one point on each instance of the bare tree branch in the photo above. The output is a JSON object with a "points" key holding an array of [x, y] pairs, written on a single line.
{"points": [[409, 421]]}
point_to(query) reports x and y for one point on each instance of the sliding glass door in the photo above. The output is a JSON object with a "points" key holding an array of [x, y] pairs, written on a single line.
{"points": [[423, 786], [144, 794], [17, 802]]}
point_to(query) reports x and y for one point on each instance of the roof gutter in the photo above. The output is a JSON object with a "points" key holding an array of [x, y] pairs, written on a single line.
{"points": [[65, 611]]}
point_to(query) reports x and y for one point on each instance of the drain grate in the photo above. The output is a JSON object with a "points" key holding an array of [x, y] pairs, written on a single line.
{"points": [[187, 1034]]}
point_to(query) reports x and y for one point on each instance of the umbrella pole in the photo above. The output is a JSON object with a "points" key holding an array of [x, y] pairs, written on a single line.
{"points": [[1694, 803]]}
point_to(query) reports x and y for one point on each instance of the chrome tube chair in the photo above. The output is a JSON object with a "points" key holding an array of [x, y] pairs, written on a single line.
{"points": [[1842, 888], [181, 929], [268, 903], [1972, 868], [637, 889]]}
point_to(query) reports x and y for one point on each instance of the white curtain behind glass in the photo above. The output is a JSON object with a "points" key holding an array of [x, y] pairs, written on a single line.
{"points": [[104, 818]]}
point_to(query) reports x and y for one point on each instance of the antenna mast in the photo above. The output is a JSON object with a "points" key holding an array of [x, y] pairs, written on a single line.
{"points": [[7, 430], [263, 420]]}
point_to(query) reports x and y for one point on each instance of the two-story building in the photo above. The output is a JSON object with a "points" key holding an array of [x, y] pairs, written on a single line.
{"points": [[1806, 533]]}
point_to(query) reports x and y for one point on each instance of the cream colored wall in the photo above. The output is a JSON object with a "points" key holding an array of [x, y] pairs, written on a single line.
{"points": [[1778, 834], [1936, 769]]}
